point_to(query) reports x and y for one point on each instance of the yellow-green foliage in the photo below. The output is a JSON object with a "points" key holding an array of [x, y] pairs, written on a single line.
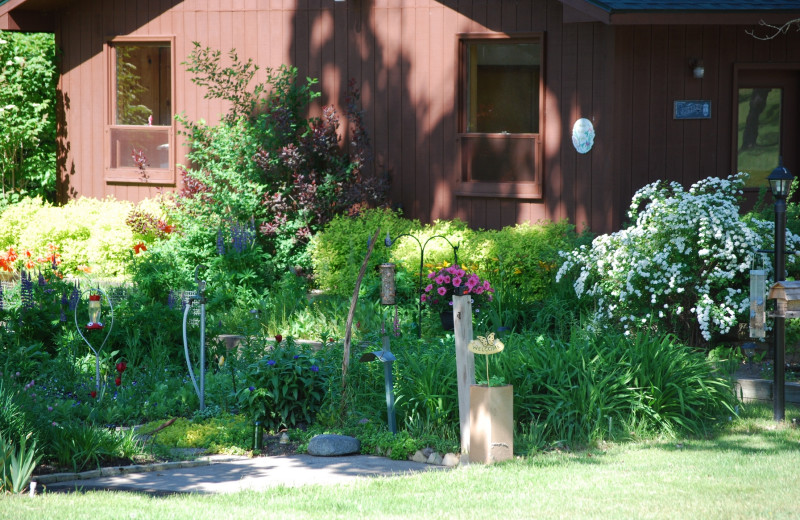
{"points": [[215, 434], [338, 251], [87, 232], [523, 257]]}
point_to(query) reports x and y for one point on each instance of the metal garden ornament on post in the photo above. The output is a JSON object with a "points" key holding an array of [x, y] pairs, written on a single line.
{"points": [[200, 297], [94, 324], [388, 241], [385, 356]]}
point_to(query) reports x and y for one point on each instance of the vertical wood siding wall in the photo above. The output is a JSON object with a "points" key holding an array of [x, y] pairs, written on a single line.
{"points": [[403, 56], [653, 70]]}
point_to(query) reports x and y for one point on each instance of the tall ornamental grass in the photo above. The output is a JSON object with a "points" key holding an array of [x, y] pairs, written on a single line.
{"points": [[587, 388], [609, 386]]}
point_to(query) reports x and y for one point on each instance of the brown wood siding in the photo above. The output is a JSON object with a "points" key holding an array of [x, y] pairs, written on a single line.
{"points": [[403, 55], [653, 70]]}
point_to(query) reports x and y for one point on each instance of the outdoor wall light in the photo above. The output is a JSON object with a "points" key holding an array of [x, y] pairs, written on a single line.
{"points": [[698, 70]]}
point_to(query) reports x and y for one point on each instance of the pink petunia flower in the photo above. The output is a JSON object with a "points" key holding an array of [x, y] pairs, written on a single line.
{"points": [[442, 291]]}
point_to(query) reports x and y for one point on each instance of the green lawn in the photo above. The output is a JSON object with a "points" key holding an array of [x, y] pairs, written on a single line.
{"points": [[747, 471]]}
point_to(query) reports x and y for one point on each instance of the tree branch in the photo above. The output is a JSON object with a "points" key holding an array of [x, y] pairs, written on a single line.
{"points": [[776, 29]]}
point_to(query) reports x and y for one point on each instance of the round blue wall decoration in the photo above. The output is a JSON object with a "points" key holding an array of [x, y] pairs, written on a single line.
{"points": [[583, 135]]}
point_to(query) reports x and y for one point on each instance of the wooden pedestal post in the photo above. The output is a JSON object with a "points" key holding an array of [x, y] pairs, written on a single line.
{"points": [[491, 423], [465, 364]]}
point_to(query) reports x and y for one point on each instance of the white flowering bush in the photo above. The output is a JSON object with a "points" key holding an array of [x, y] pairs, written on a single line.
{"points": [[682, 266]]}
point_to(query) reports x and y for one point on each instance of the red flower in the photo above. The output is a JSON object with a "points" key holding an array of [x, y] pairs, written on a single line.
{"points": [[93, 394], [138, 248], [121, 366], [278, 338], [118, 381]]}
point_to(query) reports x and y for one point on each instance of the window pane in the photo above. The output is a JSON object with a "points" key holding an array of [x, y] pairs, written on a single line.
{"points": [[146, 143], [503, 87], [143, 90], [759, 133]]}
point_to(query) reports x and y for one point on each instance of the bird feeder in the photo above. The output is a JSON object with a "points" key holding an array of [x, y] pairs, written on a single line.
{"points": [[787, 299], [388, 289], [94, 312], [758, 279]]}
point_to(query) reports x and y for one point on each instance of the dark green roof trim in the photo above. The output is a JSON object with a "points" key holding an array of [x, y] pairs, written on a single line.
{"points": [[672, 6]]}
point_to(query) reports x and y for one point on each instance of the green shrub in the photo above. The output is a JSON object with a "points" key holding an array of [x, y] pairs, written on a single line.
{"points": [[525, 256], [286, 388], [678, 267], [338, 251], [28, 76], [266, 162]]}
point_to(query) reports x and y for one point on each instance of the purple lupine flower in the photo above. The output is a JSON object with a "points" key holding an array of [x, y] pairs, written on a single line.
{"points": [[41, 280], [396, 323], [220, 243], [1, 297], [171, 299], [237, 239], [74, 296], [26, 290]]}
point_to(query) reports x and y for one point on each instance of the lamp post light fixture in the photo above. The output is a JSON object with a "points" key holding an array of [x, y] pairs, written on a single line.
{"points": [[388, 241], [780, 181]]}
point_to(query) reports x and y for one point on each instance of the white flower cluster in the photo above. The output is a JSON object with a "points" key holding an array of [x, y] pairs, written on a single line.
{"points": [[684, 263]]}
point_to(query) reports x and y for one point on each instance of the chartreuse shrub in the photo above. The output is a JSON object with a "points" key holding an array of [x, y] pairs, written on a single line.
{"points": [[216, 434], [86, 232], [519, 261], [680, 266]]}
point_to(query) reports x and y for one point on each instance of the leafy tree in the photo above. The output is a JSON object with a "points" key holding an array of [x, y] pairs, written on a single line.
{"points": [[28, 76]]}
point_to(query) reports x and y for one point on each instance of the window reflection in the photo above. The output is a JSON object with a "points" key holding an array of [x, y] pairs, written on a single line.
{"points": [[759, 133]]}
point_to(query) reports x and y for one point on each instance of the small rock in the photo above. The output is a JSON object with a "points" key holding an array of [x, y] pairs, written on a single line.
{"points": [[328, 445], [435, 459], [419, 457], [450, 460]]}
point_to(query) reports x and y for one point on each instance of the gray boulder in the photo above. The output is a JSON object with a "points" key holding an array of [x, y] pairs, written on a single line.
{"points": [[328, 445]]}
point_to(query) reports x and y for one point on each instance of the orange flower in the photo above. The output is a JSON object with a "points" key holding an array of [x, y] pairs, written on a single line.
{"points": [[85, 268], [29, 265], [138, 248], [27, 253]]}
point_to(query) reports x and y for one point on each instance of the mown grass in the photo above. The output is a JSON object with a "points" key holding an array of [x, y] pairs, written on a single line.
{"points": [[745, 471]]}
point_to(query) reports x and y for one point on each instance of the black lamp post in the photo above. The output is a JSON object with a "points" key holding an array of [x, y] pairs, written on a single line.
{"points": [[779, 182], [388, 241]]}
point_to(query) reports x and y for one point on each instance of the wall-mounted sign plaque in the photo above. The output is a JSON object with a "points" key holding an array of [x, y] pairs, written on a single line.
{"points": [[692, 109]]}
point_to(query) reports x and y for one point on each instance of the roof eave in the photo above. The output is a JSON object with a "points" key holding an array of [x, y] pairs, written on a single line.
{"points": [[586, 10]]}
